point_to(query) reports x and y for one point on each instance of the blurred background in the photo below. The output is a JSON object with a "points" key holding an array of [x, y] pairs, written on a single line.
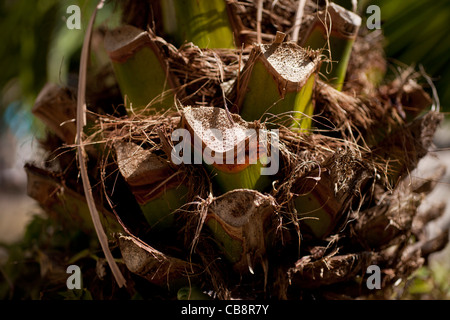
{"points": [[37, 47]]}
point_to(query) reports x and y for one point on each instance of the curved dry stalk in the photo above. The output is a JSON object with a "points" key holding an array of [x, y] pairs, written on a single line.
{"points": [[81, 152], [258, 21]]}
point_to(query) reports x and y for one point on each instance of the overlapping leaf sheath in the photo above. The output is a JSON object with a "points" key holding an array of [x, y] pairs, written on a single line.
{"points": [[410, 97], [327, 192], [63, 203], [240, 220], [156, 187], [379, 233], [404, 147], [313, 272], [278, 79], [206, 23], [232, 149], [155, 266], [140, 68], [56, 107], [335, 28]]}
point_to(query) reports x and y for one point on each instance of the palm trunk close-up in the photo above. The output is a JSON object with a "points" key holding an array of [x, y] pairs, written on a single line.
{"points": [[242, 149]]}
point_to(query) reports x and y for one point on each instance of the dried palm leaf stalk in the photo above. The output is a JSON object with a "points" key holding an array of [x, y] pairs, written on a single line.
{"points": [[233, 152], [157, 187], [334, 29], [286, 74], [141, 71]]}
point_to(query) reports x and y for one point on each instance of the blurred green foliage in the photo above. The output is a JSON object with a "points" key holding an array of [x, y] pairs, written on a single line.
{"points": [[430, 283], [25, 31], [34, 264], [417, 33], [37, 47]]}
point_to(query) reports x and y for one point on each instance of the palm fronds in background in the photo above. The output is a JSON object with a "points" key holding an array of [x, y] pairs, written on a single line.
{"points": [[416, 32]]}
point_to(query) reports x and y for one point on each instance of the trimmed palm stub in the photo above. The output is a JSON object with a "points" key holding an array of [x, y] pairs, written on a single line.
{"points": [[327, 192], [336, 28], [63, 203], [231, 148], [286, 74], [240, 220], [234, 156], [157, 188], [208, 24], [155, 266], [56, 107], [140, 68]]}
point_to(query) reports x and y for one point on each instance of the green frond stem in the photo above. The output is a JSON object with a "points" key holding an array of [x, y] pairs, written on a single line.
{"points": [[335, 29], [206, 23], [141, 70], [156, 188], [319, 210], [325, 194], [247, 178], [278, 80], [159, 210], [241, 235], [219, 137]]}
